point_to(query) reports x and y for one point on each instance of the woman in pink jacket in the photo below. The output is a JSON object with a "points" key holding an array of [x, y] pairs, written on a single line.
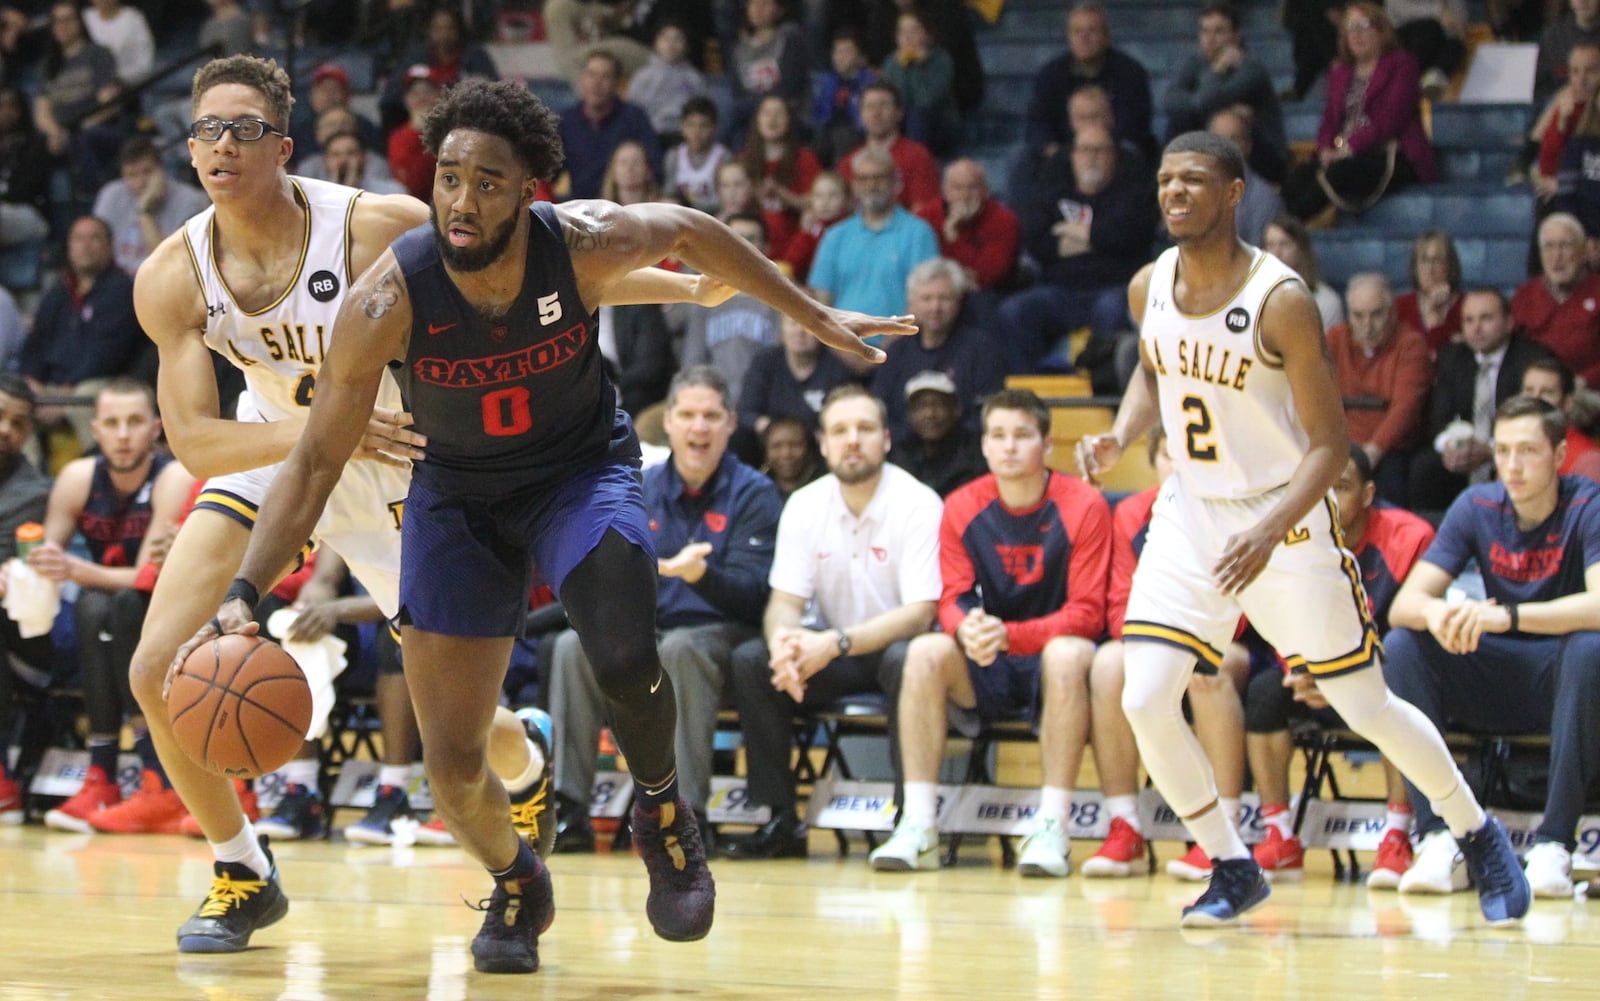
{"points": [[1371, 140]]}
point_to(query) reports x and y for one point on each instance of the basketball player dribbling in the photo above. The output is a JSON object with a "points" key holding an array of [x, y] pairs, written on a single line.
{"points": [[259, 278], [1234, 367], [488, 315]]}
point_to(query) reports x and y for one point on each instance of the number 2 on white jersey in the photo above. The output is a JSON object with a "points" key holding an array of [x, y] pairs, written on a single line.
{"points": [[1199, 427]]}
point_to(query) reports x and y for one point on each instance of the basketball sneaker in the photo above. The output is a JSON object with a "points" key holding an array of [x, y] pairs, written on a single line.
{"points": [[1046, 851], [1194, 867], [299, 816], [436, 834], [11, 807], [1549, 869], [154, 809], [533, 808], [1123, 853], [508, 942], [1503, 891], [909, 848], [97, 793], [682, 895], [1237, 887], [1394, 858], [190, 827], [1280, 857], [1437, 867], [389, 804], [240, 902]]}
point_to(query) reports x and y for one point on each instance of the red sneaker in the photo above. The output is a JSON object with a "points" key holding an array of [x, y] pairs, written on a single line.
{"points": [[1123, 853], [154, 809], [11, 811], [1195, 867], [97, 793], [1281, 858], [435, 833], [190, 827], [1394, 858]]}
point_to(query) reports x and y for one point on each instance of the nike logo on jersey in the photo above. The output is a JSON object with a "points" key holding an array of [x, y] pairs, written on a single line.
{"points": [[439, 329], [657, 684]]}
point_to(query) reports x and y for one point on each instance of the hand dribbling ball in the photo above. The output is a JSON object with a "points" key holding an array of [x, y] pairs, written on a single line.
{"points": [[240, 706]]}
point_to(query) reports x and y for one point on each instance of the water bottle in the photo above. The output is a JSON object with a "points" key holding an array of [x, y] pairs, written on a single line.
{"points": [[30, 534]]}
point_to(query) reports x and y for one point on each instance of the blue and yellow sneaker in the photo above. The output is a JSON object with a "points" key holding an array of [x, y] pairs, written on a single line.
{"points": [[240, 902], [682, 895], [533, 808], [508, 942]]}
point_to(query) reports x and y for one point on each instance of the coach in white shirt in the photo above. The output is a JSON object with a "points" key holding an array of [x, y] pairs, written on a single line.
{"points": [[862, 547]]}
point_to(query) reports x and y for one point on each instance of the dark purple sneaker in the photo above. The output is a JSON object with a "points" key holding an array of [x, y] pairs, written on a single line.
{"points": [[682, 895], [508, 942]]}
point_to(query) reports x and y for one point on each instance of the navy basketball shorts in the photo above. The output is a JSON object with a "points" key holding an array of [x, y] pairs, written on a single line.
{"points": [[466, 563], [1006, 689]]}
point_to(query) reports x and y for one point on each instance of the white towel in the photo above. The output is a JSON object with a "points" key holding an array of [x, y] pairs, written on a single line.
{"points": [[321, 662], [32, 601]]}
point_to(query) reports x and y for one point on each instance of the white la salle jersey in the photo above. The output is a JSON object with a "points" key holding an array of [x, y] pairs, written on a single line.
{"points": [[280, 348], [1232, 430]]}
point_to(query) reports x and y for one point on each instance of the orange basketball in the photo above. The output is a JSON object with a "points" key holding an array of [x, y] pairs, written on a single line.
{"points": [[240, 706]]}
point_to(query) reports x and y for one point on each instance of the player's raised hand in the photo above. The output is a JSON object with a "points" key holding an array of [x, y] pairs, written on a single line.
{"points": [[845, 330], [390, 440], [1097, 454], [235, 616]]}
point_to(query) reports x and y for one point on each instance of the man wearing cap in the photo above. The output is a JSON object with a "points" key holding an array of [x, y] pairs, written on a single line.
{"points": [[1023, 555], [938, 450], [946, 341], [330, 89], [410, 161]]}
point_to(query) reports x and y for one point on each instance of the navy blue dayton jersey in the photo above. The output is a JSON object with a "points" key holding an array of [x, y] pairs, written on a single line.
{"points": [[519, 401]]}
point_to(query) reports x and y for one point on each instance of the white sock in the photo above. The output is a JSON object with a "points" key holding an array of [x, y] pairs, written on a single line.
{"points": [[525, 779], [1230, 808], [1398, 819], [1215, 833], [394, 775], [1055, 803], [1126, 809], [1281, 818], [302, 772], [922, 804], [245, 849]]}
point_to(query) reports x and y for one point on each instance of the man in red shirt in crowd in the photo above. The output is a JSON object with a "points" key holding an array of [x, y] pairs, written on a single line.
{"points": [[1387, 542], [1553, 383], [916, 172], [1380, 361], [1560, 307], [976, 230]]}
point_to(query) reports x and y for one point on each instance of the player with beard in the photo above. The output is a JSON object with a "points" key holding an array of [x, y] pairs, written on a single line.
{"points": [[259, 277], [1235, 369], [487, 315]]}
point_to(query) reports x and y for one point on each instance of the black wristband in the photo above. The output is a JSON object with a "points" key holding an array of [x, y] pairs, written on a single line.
{"points": [[1516, 621], [243, 590]]}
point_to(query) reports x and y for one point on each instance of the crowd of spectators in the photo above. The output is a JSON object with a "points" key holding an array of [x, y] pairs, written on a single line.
{"points": [[831, 136]]}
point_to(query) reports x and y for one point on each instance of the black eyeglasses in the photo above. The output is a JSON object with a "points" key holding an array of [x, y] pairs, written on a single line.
{"points": [[246, 130]]}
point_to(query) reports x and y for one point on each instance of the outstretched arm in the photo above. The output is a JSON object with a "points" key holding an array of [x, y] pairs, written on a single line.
{"points": [[373, 323], [607, 241]]}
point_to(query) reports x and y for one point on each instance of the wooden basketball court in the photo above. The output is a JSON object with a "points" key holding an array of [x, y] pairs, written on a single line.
{"points": [[86, 916]]}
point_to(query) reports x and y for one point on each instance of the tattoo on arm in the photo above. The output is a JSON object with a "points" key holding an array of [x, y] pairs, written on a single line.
{"points": [[383, 296], [579, 240]]}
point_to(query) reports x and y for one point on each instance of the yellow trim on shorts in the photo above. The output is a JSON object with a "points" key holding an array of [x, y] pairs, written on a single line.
{"points": [[1371, 646], [1154, 632], [242, 509]]}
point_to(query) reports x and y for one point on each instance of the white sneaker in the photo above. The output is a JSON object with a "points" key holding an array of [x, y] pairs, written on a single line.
{"points": [[910, 847], [1046, 851], [1438, 867], [1549, 869]]}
